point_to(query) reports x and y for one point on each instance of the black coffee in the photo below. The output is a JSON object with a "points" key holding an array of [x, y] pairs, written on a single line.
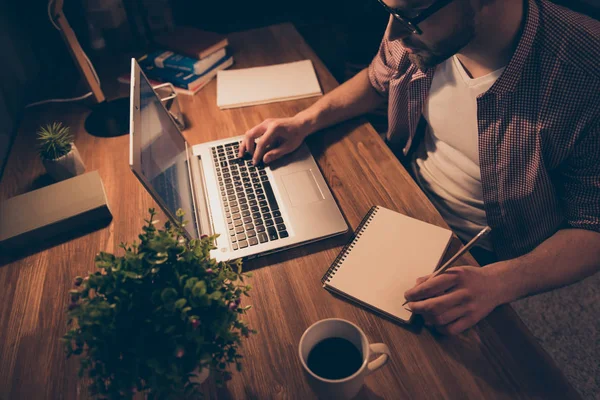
{"points": [[334, 358]]}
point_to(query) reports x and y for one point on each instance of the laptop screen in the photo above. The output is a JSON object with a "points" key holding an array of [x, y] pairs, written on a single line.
{"points": [[163, 157]]}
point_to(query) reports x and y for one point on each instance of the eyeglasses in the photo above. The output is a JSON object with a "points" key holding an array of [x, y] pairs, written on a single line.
{"points": [[411, 22]]}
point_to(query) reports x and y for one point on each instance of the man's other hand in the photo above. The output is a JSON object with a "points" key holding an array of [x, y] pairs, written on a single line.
{"points": [[272, 139], [457, 299]]}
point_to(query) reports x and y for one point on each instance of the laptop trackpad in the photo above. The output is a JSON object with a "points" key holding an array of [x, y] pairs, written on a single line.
{"points": [[302, 188]]}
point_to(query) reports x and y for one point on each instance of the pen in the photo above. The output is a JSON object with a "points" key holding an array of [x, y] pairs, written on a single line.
{"points": [[455, 257]]}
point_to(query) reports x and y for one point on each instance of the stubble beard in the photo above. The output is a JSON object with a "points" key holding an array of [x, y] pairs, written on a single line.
{"points": [[430, 56]]}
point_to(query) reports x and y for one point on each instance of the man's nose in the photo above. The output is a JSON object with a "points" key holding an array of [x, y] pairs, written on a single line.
{"points": [[396, 30]]}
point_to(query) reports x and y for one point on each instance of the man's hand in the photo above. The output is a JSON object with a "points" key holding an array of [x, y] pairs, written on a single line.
{"points": [[274, 138], [457, 299]]}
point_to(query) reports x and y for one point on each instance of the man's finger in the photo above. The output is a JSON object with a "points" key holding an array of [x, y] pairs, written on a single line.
{"points": [[276, 153], [436, 306], [422, 279], [262, 146], [432, 287], [248, 141], [451, 315]]}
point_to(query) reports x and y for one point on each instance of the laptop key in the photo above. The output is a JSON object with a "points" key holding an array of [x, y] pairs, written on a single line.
{"points": [[237, 216], [256, 215], [262, 237], [258, 222], [250, 233], [235, 209], [262, 172], [269, 222], [276, 213], [281, 227], [283, 234], [270, 196], [223, 164], [259, 191], [264, 178], [234, 246], [272, 232], [249, 227], [262, 203], [245, 213], [239, 229], [255, 180], [241, 236], [265, 210], [267, 215], [243, 244], [252, 202], [238, 222], [278, 220], [233, 204], [232, 233], [247, 220], [253, 241], [261, 197], [230, 226], [260, 228]]}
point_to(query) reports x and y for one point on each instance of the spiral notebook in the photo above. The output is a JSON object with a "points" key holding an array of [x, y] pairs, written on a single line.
{"points": [[387, 254]]}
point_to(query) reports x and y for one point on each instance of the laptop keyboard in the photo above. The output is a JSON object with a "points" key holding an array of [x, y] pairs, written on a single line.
{"points": [[251, 210]]}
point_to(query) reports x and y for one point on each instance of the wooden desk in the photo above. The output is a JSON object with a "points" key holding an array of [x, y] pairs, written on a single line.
{"points": [[497, 359]]}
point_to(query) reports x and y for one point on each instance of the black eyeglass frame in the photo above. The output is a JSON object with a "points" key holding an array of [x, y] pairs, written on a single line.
{"points": [[412, 23]]}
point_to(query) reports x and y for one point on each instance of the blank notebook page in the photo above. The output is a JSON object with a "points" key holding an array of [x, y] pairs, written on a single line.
{"points": [[392, 251], [261, 85]]}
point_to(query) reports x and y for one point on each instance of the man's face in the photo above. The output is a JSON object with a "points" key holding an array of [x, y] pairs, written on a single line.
{"points": [[444, 33]]}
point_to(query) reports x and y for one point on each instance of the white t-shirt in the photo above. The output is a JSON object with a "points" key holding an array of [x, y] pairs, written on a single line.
{"points": [[446, 163]]}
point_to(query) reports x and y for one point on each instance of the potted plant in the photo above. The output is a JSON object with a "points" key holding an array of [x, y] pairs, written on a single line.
{"points": [[157, 317], [58, 152]]}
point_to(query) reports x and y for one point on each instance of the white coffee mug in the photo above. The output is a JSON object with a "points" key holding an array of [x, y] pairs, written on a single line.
{"points": [[348, 387]]}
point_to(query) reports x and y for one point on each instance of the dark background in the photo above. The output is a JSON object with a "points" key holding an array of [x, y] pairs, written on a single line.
{"points": [[35, 64]]}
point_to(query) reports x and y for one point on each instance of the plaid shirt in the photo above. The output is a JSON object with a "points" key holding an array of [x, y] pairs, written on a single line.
{"points": [[539, 126]]}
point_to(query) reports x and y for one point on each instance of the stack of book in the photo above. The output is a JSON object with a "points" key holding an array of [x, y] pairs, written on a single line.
{"points": [[191, 59]]}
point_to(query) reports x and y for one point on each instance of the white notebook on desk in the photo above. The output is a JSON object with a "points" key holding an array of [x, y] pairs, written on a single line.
{"points": [[387, 254], [262, 85]]}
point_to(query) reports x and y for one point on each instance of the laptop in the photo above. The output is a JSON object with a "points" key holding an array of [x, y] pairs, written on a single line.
{"points": [[255, 209]]}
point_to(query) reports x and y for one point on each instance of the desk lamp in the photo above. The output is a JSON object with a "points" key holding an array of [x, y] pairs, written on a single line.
{"points": [[108, 118]]}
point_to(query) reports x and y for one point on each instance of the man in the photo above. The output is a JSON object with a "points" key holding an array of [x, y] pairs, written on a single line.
{"points": [[510, 91]]}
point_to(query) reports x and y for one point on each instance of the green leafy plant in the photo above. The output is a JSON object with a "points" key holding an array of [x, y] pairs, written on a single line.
{"points": [[149, 318], [54, 141]]}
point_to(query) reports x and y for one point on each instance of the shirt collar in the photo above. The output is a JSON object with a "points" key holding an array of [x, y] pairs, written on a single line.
{"points": [[507, 82]]}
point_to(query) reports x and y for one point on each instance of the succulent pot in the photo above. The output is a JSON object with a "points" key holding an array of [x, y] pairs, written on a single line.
{"points": [[65, 167], [200, 375]]}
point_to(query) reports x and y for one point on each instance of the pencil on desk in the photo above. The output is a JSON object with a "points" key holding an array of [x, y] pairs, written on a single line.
{"points": [[455, 257]]}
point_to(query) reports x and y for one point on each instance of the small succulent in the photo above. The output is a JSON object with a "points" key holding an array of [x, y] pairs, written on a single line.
{"points": [[54, 141]]}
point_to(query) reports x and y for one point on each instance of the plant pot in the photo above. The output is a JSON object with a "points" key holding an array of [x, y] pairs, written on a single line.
{"points": [[65, 167], [200, 375]]}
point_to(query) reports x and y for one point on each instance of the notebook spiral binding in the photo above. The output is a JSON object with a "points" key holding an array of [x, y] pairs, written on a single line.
{"points": [[348, 247]]}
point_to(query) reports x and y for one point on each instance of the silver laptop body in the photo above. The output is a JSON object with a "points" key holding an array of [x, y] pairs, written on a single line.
{"points": [[256, 210]]}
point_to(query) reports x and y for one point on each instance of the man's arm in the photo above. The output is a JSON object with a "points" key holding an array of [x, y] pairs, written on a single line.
{"points": [[281, 136], [566, 257], [351, 99], [460, 298]]}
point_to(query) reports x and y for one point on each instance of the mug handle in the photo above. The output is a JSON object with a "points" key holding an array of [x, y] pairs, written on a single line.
{"points": [[378, 348]]}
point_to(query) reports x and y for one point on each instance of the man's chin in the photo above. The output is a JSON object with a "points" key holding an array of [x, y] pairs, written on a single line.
{"points": [[425, 60]]}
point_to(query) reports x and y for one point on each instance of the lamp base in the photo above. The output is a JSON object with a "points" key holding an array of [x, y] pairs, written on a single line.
{"points": [[109, 118]]}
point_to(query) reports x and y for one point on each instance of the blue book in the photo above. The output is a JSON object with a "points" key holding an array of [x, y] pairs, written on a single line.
{"points": [[178, 62], [188, 81]]}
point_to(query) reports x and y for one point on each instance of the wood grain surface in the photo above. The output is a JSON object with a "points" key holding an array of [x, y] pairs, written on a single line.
{"points": [[497, 359]]}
